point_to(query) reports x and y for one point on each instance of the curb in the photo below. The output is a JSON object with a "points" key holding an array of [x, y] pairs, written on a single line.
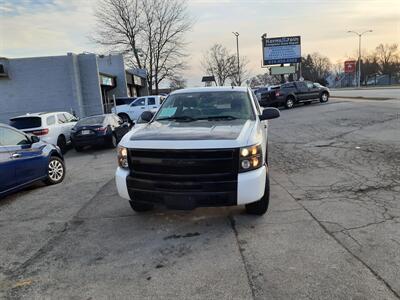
{"points": [[363, 98]]}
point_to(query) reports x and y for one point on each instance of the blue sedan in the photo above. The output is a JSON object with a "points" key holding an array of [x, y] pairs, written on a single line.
{"points": [[24, 159]]}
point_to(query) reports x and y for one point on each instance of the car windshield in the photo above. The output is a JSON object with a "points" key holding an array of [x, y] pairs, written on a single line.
{"points": [[95, 120], [26, 122], [206, 105]]}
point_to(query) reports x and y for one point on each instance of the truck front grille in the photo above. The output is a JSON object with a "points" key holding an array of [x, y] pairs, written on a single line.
{"points": [[210, 173]]}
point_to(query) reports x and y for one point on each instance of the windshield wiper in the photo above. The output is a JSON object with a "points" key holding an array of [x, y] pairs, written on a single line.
{"points": [[226, 117], [178, 118]]}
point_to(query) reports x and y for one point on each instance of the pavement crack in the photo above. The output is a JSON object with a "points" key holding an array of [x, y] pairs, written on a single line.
{"points": [[373, 272], [49, 245], [245, 263]]}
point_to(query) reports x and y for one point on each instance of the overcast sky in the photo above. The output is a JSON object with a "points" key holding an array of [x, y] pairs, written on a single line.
{"points": [[55, 27]]}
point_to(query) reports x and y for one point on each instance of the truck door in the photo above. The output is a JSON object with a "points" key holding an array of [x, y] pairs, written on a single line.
{"points": [[151, 104], [301, 90], [137, 107], [313, 91]]}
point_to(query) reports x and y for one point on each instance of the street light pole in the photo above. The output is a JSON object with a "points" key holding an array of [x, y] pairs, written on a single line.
{"points": [[359, 52], [236, 34]]}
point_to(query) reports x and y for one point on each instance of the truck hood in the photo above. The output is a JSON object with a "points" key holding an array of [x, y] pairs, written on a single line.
{"points": [[200, 134]]}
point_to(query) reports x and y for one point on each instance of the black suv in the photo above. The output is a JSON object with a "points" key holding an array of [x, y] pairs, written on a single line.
{"points": [[295, 92]]}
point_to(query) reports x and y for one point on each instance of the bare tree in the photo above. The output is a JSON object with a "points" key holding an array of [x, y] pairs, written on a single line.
{"points": [[177, 82], [150, 32], [239, 76], [263, 80], [316, 67], [388, 59], [219, 63]]}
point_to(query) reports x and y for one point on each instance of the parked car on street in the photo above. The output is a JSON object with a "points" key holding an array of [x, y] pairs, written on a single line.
{"points": [[107, 129], [25, 159], [204, 147], [130, 113], [52, 127], [291, 93]]}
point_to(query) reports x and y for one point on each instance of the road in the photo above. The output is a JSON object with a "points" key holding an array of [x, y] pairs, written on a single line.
{"points": [[332, 230], [378, 93]]}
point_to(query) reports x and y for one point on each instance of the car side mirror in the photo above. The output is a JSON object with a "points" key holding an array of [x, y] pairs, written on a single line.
{"points": [[269, 113], [34, 139], [146, 116]]}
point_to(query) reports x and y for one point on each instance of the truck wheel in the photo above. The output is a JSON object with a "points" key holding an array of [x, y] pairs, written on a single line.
{"points": [[260, 207], [324, 97], [289, 102], [141, 207], [125, 118]]}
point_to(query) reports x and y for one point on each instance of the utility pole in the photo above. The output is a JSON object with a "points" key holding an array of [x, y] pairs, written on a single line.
{"points": [[236, 34], [359, 53]]}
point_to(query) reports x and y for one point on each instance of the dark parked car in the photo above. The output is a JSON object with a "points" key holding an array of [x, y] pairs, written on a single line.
{"points": [[291, 93], [25, 159], [107, 129]]}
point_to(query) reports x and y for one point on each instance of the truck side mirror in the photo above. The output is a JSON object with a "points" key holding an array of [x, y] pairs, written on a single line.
{"points": [[146, 116], [269, 113]]}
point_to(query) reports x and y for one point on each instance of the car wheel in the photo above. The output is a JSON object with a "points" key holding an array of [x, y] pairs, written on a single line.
{"points": [[141, 207], [113, 141], [125, 118], [260, 207], [55, 171], [324, 98], [289, 102], [62, 143]]}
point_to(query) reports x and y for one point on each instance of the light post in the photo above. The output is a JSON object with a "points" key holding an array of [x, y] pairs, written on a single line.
{"points": [[359, 52], [236, 34]]}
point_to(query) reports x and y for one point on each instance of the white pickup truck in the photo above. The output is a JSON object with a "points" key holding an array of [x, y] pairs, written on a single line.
{"points": [[204, 147], [131, 112]]}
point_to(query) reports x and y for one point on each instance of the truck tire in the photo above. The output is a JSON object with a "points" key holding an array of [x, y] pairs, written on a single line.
{"points": [[289, 102], [141, 207], [125, 118], [260, 207], [324, 97]]}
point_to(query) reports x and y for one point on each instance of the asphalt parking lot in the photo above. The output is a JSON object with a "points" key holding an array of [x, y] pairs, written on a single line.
{"points": [[332, 230]]}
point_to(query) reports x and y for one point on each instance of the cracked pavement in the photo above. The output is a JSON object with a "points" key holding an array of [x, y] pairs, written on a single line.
{"points": [[332, 230]]}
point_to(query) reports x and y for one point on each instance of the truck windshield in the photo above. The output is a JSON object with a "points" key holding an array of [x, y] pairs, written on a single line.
{"points": [[207, 105]]}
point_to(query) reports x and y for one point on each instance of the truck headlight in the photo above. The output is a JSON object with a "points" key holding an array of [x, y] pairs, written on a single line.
{"points": [[123, 157], [250, 158]]}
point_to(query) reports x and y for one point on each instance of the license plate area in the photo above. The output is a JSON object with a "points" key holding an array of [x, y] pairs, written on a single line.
{"points": [[86, 132]]}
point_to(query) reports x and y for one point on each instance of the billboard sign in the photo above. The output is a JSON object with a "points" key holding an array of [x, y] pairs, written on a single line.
{"points": [[350, 66], [281, 50]]}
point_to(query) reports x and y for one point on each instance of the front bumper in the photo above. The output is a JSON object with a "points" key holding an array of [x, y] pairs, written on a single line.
{"points": [[250, 187]]}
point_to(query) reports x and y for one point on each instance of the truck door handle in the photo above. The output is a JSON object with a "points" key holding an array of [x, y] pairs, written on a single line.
{"points": [[16, 155], [143, 107], [154, 106]]}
